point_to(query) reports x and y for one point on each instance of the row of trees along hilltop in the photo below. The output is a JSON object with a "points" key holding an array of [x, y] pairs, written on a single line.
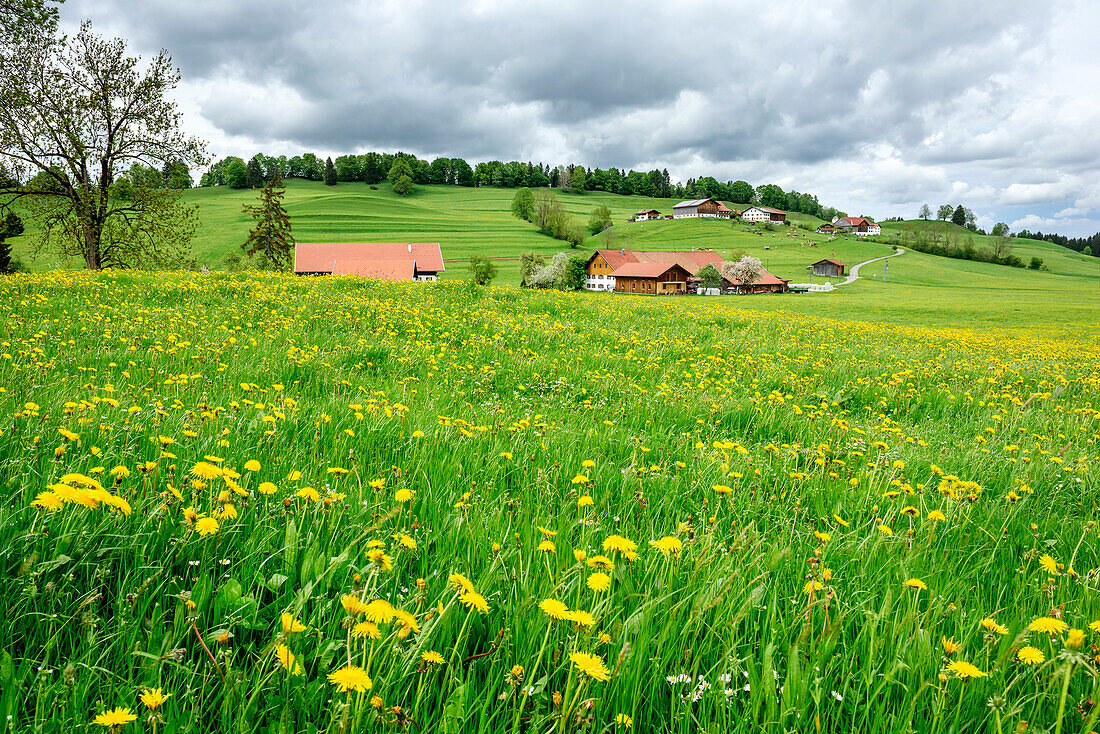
{"points": [[374, 168]]}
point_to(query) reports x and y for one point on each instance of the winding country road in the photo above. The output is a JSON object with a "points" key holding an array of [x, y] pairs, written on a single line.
{"points": [[853, 276]]}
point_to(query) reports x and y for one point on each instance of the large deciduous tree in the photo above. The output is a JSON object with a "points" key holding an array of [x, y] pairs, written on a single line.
{"points": [[925, 211], [746, 272], [75, 113], [272, 234], [401, 176]]}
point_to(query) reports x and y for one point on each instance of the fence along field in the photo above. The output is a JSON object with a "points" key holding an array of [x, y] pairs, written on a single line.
{"points": [[261, 503]]}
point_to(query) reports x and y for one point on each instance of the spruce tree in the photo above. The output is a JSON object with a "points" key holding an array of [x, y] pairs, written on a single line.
{"points": [[959, 217], [272, 233], [330, 172], [254, 173], [5, 252]]}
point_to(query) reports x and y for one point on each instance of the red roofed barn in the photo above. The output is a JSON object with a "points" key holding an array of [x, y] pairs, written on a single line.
{"points": [[603, 263], [380, 260], [651, 278]]}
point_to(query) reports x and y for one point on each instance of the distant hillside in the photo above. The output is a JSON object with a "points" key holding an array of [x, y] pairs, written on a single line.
{"points": [[467, 221], [478, 221], [1055, 258]]}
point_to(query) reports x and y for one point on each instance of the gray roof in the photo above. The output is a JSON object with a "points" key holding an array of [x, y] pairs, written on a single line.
{"points": [[693, 202]]}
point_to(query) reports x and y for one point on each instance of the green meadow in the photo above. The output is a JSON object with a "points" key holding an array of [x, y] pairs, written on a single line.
{"points": [[253, 502], [478, 221]]}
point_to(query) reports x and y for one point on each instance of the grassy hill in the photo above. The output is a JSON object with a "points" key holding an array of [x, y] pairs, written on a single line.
{"points": [[478, 221], [920, 289]]}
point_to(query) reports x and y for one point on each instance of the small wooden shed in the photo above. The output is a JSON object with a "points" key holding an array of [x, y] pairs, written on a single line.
{"points": [[829, 268]]}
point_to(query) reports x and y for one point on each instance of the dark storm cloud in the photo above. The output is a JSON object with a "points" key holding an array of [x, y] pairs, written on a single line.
{"points": [[800, 83]]}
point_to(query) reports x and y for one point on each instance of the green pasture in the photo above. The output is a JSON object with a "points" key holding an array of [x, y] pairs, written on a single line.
{"points": [[495, 510]]}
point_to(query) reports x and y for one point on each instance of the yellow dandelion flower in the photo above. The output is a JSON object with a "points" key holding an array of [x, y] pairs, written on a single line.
{"points": [[350, 678], [1030, 655], [379, 611], [431, 657], [154, 698], [366, 630], [949, 645], [287, 660], [547, 546], [206, 471], [115, 718], [1049, 564], [585, 501], [460, 583], [991, 625], [1075, 638], [403, 495], [1048, 626], [840, 521], [553, 608], [290, 624], [963, 669], [590, 665], [618, 543], [599, 582], [936, 516], [580, 617], [206, 526], [625, 721], [915, 584], [474, 600], [252, 465], [266, 488]]}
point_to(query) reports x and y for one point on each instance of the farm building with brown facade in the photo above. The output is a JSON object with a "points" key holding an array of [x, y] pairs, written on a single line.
{"points": [[829, 268], [381, 260], [651, 278], [601, 267]]}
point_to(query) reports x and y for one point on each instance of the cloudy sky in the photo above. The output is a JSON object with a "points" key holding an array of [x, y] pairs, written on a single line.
{"points": [[877, 107]]}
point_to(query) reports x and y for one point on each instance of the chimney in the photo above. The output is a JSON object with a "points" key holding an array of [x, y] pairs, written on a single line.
{"points": [[410, 248]]}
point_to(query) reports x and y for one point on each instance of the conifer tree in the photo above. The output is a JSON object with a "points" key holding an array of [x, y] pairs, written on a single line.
{"points": [[272, 233], [330, 172], [5, 252]]}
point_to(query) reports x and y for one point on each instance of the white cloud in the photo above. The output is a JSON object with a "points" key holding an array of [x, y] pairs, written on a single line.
{"points": [[985, 104]]}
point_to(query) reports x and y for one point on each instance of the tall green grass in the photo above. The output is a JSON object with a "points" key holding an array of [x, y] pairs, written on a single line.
{"points": [[785, 608]]}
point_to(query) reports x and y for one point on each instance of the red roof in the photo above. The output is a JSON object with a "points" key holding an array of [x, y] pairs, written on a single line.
{"points": [[692, 262], [321, 257], [856, 221], [830, 260], [643, 270], [380, 269]]}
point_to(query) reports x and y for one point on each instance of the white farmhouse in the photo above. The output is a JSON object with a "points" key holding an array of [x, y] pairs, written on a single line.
{"points": [[763, 214]]}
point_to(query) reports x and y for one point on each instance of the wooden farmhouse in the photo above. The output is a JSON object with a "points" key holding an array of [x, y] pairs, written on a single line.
{"points": [[827, 228], [859, 226], [600, 271], [380, 260], [646, 214], [829, 268], [651, 278], [695, 208], [763, 214]]}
